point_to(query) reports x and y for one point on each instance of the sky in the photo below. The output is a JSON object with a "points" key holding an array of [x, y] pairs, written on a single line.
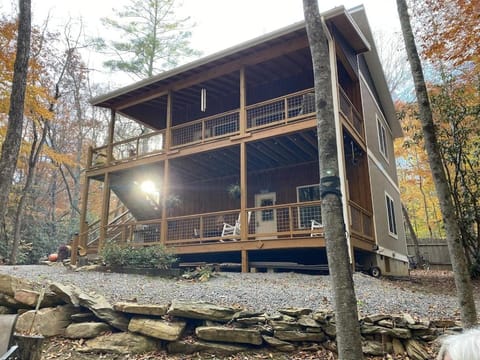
{"points": [[219, 24]]}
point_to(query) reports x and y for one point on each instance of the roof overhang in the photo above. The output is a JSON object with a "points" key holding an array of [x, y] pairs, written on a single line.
{"points": [[376, 71], [338, 17]]}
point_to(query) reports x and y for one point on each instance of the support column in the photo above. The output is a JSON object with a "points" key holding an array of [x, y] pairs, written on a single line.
{"points": [[243, 203], [244, 261], [83, 214], [165, 186], [111, 131], [105, 211], [168, 130], [243, 102]]}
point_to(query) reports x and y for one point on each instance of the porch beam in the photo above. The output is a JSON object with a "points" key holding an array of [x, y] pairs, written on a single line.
{"points": [[168, 130], [243, 102]]}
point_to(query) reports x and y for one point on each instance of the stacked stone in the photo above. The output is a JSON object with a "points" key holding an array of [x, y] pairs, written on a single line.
{"points": [[190, 327]]}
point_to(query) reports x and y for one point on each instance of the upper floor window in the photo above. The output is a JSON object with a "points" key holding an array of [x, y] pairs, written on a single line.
{"points": [[392, 223], [382, 138]]}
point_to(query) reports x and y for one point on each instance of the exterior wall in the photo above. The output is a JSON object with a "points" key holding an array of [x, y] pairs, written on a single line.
{"points": [[383, 179]]}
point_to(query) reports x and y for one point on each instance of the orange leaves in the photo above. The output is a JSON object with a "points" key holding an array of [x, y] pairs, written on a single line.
{"points": [[449, 30]]}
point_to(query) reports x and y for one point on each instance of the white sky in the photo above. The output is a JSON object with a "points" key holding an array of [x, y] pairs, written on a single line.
{"points": [[219, 23]]}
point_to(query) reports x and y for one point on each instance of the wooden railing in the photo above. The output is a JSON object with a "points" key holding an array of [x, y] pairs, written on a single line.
{"points": [[129, 149], [290, 221], [351, 114], [283, 109], [361, 221]]}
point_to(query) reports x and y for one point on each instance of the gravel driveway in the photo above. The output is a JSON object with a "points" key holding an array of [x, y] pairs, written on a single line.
{"points": [[254, 291]]}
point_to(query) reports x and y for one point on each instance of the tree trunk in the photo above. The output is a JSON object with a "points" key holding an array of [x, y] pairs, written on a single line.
{"points": [[13, 138], [413, 236], [346, 316], [32, 164], [457, 253]]}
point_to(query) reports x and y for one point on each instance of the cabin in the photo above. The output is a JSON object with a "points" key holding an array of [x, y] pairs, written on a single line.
{"points": [[227, 169]]}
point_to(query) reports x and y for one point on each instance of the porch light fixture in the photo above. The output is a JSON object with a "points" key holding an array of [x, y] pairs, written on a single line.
{"points": [[203, 99]]}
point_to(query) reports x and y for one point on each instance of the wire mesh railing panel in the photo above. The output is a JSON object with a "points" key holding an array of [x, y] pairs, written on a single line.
{"points": [[151, 144], [266, 114], [301, 104], [367, 225], [186, 134], [222, 125], [183, 228], [356, 219]]}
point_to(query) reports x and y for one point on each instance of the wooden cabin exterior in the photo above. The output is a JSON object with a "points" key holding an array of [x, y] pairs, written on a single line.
{"points": [[233, 142]]}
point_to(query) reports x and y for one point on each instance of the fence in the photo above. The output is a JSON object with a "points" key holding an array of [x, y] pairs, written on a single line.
{"points": [[435, 251]]}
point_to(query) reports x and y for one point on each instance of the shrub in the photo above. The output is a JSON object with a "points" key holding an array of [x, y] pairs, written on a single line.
{"points": [[155, 256]]}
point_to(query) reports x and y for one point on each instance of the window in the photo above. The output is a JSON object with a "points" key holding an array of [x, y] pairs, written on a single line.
{"points": [[308, 213], [392, 224], [382, 138]]}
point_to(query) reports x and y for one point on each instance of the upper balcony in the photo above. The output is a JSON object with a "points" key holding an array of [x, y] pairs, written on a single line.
{"points": [[293, 107]]}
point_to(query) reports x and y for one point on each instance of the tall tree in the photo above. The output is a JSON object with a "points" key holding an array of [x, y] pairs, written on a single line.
{"points": [[13, 138], [457, 254], [346, 315], [153, 38]]}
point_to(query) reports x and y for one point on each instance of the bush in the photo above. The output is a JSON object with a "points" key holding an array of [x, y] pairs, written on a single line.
{"points": [[155, 256]]}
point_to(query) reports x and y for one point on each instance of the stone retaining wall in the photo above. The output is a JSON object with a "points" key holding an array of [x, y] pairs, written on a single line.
{"points": [[189, 327]]}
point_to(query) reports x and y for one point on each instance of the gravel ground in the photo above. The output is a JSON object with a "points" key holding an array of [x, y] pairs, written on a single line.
{"points": [[255, 291]]}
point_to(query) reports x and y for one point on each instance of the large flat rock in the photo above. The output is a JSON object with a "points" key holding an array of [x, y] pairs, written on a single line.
{"points": [[201, 311], [139, 309], [157, 328], [86, 330], [94, 302], [184, 347], [121, 343], [230, 335], [47, 322]]}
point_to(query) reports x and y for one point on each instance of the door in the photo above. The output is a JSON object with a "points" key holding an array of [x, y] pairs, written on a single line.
{"points": [[265, 220]]}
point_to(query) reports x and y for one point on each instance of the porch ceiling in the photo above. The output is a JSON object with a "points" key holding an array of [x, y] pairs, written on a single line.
{"points": [[261, 155]]}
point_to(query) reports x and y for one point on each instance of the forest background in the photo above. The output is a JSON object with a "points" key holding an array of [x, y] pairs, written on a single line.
{"points": [[70, 64]]}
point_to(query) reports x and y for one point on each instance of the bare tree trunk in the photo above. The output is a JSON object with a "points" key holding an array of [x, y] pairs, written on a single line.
{"points": [[36, 148], [13, 138], [413, 235], [346, 316], [457, 253]]}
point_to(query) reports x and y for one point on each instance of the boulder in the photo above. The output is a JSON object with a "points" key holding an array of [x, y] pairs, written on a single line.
{"points": [[134, 308], [443, 323], [398, 348], [201, 311], [86, 330], [279, 344], [397, 332], [300, 336], [226, 334], [9, 284], [295, 311], [10, 302], [322, 316], [47, 322], [375, 318], [374, 348], [184, 347], [330, 329], [247, 314], [251, 320], [120, 343], [157, 328], [284, 325], [416, 350], [94, 302], [307, 321], [30, 298], [84, 317]]}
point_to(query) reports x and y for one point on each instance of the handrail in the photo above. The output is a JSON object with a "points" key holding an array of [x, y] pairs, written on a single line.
{"points": [[353, 113]]}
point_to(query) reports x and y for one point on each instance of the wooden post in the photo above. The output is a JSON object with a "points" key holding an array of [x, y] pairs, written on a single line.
{"points": [[244, 261], [83, 214], [243, 102], [168, 130], [74, 250], [111, 131], [164, 228], [243, 203], [105, 211]]}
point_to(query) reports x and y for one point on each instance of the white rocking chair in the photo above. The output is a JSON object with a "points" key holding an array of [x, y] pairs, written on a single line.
{"points": [[316, 225], [234, 230]]}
